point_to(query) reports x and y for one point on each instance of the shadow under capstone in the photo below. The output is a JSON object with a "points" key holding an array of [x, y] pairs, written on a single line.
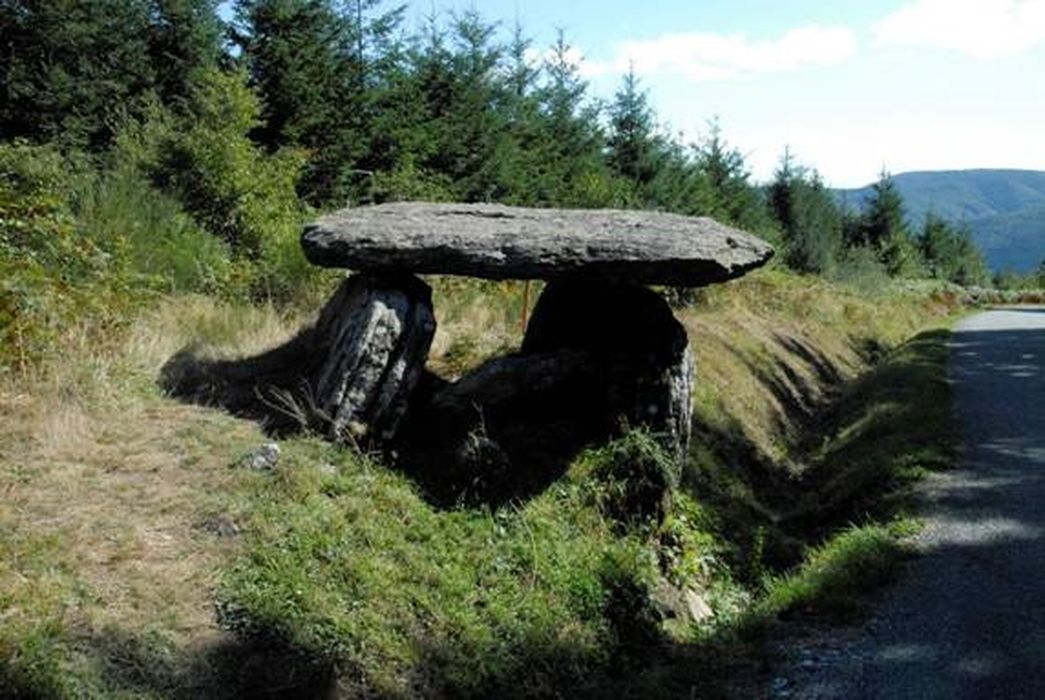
{"points": [[597, 359]]}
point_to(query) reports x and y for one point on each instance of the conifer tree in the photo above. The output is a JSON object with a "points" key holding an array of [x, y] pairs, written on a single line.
{"points": [[185, 38], [632, 144], [884, 221], [69, 67], [807, 215], [572, 171], [724, 189]]}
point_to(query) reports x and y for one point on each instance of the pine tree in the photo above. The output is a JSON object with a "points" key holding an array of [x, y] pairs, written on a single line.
{"points": [[808, 217], [884, 229], [70, 67], [632, 143], [884, 220], [184, 38], [571, 168], [723, 189], [308, 60]]}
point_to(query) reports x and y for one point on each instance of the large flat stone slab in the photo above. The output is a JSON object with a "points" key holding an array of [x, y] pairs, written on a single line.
{"points": [[501, 242]]}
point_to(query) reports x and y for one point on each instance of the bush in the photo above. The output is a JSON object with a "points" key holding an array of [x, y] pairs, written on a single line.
{"points": [[242, 195], [861, 269], [151, 237], [81, 248], [633, 479], [43, 262]]}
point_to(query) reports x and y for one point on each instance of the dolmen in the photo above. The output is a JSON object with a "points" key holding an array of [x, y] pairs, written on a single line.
{"points": [[602, 351]]}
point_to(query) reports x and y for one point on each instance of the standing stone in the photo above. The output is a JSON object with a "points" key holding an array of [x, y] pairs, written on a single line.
{"points": [[643, 350], [375, 333]]}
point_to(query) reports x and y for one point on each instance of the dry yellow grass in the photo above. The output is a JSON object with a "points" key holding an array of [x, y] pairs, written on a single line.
{"points": [[771, 348], [121, 482]]}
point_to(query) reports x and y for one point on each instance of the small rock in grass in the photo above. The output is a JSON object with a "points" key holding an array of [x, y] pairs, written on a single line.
{"points": [[222, 526], [698, 608], [684, 604], [261, 459]]}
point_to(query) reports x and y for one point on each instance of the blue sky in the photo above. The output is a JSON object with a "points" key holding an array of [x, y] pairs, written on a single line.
{"points": [[851, 87]]}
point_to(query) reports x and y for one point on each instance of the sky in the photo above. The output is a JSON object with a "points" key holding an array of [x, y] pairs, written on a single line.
{"points": [[850, 87]]}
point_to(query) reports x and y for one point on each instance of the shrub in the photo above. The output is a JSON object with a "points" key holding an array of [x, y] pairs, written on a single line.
{"points": [[633, 479], [152, 239], [235, 190], [81, 248], [42, 260]]}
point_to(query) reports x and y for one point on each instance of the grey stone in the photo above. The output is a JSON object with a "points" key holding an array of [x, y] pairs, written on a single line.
{"points": [[261, 459], [698, 608], [649, 369], [672, 602], [374, 334], [221, 526], [501, 242]]}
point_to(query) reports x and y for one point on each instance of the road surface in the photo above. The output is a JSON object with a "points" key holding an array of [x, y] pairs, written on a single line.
{"points": [[967, 620]]}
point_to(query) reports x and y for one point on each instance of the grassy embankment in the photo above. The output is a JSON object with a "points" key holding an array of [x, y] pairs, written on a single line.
{"points": [[123, 527]]}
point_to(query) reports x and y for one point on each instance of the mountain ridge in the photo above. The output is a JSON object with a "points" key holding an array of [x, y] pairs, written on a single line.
{"points": [[1003, 207]]}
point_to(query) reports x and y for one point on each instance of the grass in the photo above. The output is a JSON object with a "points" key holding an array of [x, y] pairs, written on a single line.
{"points": [[344, 578], [834, 576], [353, 566], [108, 488]]}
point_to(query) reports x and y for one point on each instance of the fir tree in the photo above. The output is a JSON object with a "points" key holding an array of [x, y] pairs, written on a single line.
{"points": [[632, 144]]}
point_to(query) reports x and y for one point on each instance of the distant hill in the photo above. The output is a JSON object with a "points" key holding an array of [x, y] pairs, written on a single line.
{"points": [[1004, 208]]}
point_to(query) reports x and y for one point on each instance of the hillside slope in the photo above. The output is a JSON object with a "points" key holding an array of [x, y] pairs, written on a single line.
{"points": [[1004, 208], [124, 525]]}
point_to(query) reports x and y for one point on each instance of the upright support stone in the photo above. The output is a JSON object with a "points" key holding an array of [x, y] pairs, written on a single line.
{"points": [[637, 342], [375, 333]]}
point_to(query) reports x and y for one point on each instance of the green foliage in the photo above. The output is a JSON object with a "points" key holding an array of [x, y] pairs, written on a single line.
{"points": [[835, 575], [883, 227], [808, 217], [949, 253], [236, 191], [354, 567], [69, 65], [1011, 281], [78, 244], [185, 37], [37, 240], [158, 242], [633, 479], [72, 68], [726, 192], [309, 63], [885, 220], [631, 143], [888, 428], [690, 552]]}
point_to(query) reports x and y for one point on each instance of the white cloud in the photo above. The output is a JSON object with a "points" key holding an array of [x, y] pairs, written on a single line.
{"points": [[979, 28], [706, 56]]}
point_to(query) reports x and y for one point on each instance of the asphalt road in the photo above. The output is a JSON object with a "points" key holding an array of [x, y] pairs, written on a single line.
{"points": [[967, 620]]}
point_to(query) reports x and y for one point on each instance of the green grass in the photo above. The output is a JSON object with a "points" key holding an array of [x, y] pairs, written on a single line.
{"points": [[888, 429], [345, 575], [835, 577], [348, 563]]}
